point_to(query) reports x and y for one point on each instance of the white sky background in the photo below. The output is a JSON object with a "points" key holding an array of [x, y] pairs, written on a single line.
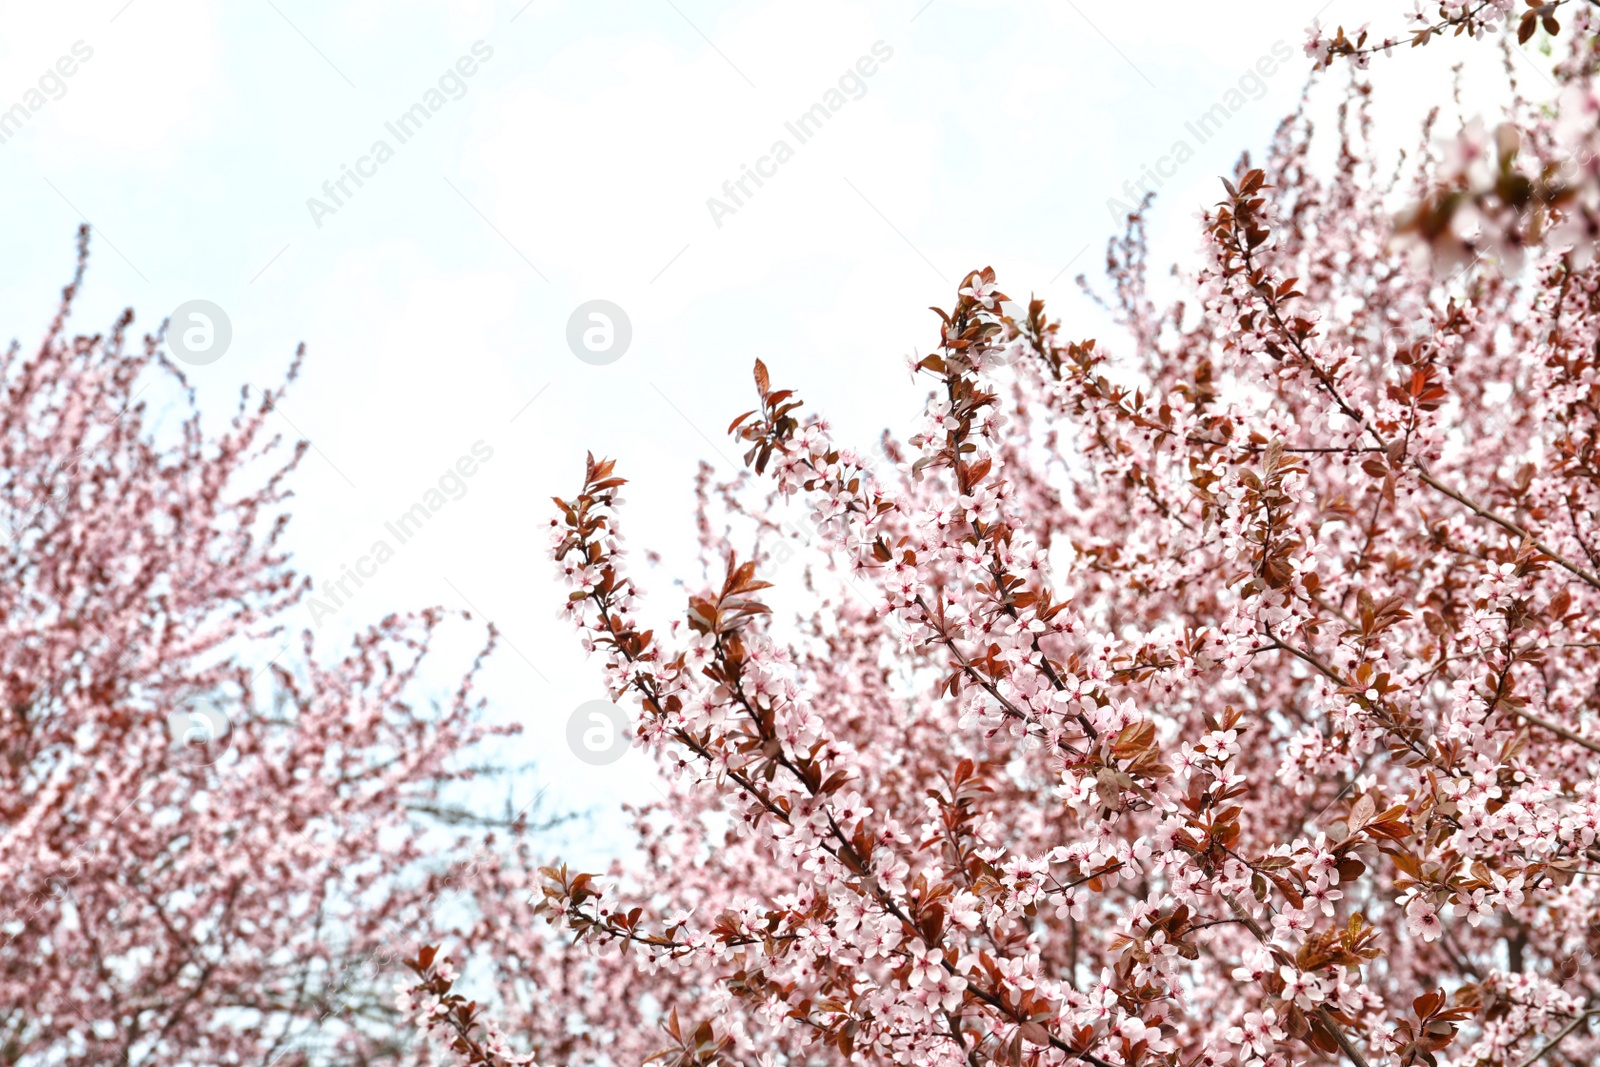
{"points": [[589, 143]]}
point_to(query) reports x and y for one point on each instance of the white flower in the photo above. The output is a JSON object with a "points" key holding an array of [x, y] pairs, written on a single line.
{"points": [[1474, 906], [926, 964], [981, 291], [1422, 920], [1257, 1033], [1304, 989]]}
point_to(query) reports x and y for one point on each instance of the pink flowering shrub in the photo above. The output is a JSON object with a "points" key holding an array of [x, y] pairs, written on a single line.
{"points": [[209, 835], [1224, 695]]}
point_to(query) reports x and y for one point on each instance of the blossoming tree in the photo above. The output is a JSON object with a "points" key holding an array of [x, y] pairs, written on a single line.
{"points": [[1227, 694], [208, 857]]}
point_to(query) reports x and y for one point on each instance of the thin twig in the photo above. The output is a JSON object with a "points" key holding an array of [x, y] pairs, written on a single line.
{"points": [[1554, 1041]]}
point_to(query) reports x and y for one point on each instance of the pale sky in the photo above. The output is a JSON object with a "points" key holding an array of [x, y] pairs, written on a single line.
{"points": [[574, 163]]}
